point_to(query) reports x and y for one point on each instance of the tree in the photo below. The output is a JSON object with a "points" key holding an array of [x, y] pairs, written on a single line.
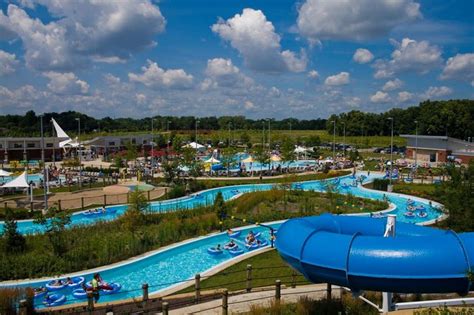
{"points": [[15, 242], [220, 207], [55, 222], [288, 150], [457, 196], [170, 170], [131, 151], [261, 155], [137, 207]]}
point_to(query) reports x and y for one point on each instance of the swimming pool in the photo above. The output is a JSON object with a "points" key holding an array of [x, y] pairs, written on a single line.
{"points": [[168, 267], [207, 197]]}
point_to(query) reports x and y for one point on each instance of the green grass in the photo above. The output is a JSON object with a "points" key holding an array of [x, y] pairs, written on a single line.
{"points": [[420, 190], [266, 268]]}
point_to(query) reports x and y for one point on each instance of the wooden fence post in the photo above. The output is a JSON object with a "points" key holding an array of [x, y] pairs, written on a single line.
{"points": [[329, 292], [293, 279], [82, 203], [277, 290], [59, 205], [145, 292], [105, 200], [128, 197], [225, 302], [90, 301], [197, 286], [148, 193], [249, 278], [165, 308]]}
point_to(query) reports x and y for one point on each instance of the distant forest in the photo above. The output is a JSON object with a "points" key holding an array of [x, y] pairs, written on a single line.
{"points": [[454, 118]]}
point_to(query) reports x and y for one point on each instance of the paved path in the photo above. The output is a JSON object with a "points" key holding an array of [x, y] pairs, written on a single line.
{"points": [[242, 303]]}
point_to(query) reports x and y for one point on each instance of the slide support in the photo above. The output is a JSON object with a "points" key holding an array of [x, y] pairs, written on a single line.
{"points": [[389, 232]]}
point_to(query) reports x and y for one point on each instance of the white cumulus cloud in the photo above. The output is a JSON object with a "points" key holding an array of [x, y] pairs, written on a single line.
{"points": [[66, 83], [154, 76], [380, 97], [341, 78], [392, 85], [353, 19], [84, 31], [405, 96], [8, 63], [436, 92], [256, 40], [313, 74], [409, 55], [362, 56], [222, 72], [459, 67]]}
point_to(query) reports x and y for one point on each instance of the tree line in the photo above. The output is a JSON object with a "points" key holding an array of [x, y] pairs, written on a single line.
{"points": [[454, 118]]}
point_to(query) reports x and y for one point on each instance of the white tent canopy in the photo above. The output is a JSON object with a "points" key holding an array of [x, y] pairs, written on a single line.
{"points": [[62, 134], [195, 145], [4, 173], [212, 160], [19, 182]]}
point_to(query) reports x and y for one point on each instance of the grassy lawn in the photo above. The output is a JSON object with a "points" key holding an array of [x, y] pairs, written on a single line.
{"points": [[266, 268], [427, 191]]}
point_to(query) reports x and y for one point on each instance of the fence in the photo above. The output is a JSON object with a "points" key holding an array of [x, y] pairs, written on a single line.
{"points": [[141, 299], [77, 203]]}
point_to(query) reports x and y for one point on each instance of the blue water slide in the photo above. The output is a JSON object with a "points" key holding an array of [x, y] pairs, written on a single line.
{"points": [[352, 252]]}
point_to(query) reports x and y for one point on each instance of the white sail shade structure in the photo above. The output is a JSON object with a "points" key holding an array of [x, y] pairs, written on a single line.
{"points": [[68, 142], [19, 182]]}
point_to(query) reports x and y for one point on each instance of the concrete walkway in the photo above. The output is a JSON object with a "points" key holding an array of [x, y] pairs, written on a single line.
{"points": [[243, 303]]}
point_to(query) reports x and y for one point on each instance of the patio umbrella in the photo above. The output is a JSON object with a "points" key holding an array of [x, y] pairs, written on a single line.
{"points": [[4, 173]]}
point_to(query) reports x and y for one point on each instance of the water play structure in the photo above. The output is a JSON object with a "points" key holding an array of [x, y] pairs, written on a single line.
{"points": [[353, 252]]}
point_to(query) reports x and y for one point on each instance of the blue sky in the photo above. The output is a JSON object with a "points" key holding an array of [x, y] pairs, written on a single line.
{"points": [[259, 58]]}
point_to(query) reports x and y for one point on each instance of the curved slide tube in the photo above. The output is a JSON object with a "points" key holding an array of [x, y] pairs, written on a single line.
{"points": [[352, 252]]}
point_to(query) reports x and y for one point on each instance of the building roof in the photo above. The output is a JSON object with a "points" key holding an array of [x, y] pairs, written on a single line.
{"points": [[427, 137]]}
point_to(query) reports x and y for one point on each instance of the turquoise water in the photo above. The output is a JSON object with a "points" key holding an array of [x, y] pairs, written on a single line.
{"points": [[36, 178], [171, 266], [207, 197]]}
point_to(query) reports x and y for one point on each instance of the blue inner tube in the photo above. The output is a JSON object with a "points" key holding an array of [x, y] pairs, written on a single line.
{"points": [[409, 214], [254, 245], [51, 287], [237, 251], [76, 282], [263, 243], [54, 300], [79, 294], [234, 234], [214, 251], [420, 207], [40, 294], [116, 287]]}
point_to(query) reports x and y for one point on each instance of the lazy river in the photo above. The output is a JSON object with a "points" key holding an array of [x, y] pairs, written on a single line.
{"points": [[207, 197], [173, 265]]}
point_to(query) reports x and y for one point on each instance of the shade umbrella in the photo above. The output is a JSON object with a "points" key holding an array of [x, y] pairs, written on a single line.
{"points": [[212, 160], [4, 173], [248, 160]]}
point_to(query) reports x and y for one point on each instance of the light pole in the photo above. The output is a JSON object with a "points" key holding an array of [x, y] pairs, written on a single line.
{"points": [[344, 139], [196, 132], [45, 176], [152, 145], [391, 152], [79, 150], [334, 143], [416, 143], [269, 136], [230, 135], [168, 133], [54, 142], [290, 130], [263, 134]]}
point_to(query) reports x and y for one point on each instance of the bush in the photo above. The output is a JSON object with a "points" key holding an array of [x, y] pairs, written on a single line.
{"points": [[177, 191], [380, 184]]}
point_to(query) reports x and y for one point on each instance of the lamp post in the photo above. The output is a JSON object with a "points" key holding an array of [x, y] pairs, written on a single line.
{"points": [[269, 137], [168, 133], [344, 139], [391, 152], [45, 176], [290, 129], [196, 131], [416, 143], [334, 143], [152, 145], [54, 142], [79, 150]]}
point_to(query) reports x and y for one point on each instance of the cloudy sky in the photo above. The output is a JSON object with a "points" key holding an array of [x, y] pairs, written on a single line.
{"points": [[260, 58]]}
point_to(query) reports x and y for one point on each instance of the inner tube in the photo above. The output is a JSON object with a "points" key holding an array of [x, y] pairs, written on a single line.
{"points": [[422, 214], [76, 282], [345, 186], [40, 294], [54, 300], [236, 251], [79, 294], [409, 214], [235, 191], [263, 243], [410, 202], [214, 251], [252, 246], [411, 208], [116, 287], [234, 234], [52, 287], [228, 247], [420, 207]]}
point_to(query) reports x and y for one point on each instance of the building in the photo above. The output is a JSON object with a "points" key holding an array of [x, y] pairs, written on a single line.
{"points": [[29, 148], [105, 145], [438, 149]]}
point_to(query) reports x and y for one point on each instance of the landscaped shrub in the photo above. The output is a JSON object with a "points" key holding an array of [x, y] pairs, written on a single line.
{"points": [[380, 184]]}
